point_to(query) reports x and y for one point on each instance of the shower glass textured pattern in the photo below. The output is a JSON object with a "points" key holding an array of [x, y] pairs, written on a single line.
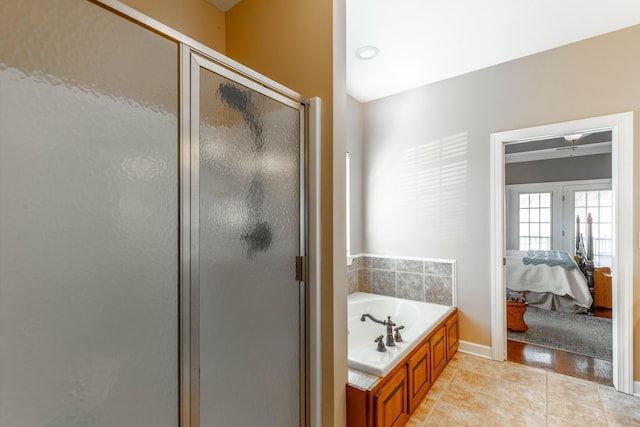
{"points": [[249, 236], [89, 221]]}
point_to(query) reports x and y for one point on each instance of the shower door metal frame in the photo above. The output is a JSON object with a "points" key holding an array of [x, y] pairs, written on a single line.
{"points": [[191, 63], [310, 353]]}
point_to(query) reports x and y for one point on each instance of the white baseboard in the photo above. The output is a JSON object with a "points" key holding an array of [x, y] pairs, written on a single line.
{"points": [[636, 388], [475, 349]]}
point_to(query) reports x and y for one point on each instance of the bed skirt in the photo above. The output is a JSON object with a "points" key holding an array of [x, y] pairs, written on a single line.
{"points": [[548, 301]]}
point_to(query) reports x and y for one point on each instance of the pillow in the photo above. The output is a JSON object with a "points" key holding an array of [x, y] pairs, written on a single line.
{"points": [[514, 296]]}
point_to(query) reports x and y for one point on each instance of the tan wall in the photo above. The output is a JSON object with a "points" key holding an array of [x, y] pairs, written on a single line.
{"points": [[594, 77], [196, 19], [292, 42]]}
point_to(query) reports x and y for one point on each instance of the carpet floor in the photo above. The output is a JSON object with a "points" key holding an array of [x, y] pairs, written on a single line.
{"points": [[575, 333]]}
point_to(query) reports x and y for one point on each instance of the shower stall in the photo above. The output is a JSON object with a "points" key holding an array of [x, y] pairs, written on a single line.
{"points": [[152, 227]]}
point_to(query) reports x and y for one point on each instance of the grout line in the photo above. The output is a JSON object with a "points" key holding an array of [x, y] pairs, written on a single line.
{"points": [[546, 398], [604, 411]]}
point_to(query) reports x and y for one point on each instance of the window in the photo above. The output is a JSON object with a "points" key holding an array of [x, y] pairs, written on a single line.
{"points": [[535, 221], [599, 204]]}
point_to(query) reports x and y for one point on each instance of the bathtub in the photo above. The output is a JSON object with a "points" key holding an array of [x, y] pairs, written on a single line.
{"points": [[418, 319]]}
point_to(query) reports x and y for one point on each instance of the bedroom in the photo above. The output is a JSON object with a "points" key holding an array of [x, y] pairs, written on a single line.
{"points": [[549, 183]]}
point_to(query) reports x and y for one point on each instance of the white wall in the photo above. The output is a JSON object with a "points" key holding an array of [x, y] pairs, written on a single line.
{"points": [[427, 157], [355, 140]]}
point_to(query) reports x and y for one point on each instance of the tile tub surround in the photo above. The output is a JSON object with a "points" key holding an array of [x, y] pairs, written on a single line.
{"points": [[426, 280]]}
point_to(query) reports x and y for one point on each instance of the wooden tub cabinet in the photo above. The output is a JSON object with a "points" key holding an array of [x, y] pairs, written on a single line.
{"points": [[391, 400]]}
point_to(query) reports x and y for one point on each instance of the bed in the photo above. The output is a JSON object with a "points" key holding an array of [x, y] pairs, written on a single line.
{"points": [[561, 287], [555, 280]]}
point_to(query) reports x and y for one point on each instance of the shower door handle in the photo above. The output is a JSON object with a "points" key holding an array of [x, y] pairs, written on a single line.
{"points": [[301, 273]]}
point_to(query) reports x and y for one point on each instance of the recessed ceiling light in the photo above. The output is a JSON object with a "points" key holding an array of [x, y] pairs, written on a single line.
{"points": [[367, 52]]}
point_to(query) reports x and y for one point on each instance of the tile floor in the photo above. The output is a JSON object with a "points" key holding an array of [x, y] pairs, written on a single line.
{"points": [[473, 391]]}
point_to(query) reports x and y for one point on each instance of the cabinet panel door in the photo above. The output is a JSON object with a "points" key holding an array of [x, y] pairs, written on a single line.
{"points": [[438, 352], [390, 403], [419, 370], [452, 336]]}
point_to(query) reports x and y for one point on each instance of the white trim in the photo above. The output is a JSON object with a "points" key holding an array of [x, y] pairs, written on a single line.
{"points": [[315, 252], [559, 153], [475, 349], [636, 388], [410, 258], [622, 157], [552, 184], [454, 284], [622, 185], [497, 251]]}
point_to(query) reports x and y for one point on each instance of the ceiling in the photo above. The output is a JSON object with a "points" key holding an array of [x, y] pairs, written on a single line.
{"points": [[224, 5], [424, 41]]}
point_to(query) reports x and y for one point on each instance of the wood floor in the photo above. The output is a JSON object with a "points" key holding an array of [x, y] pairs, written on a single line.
{"points": [[562, 362], [603, 312]]}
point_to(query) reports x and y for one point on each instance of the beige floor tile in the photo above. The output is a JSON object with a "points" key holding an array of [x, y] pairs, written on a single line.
{"points": [[478, 382], [465, 399], [522, 395], [518, 372], [457, 359], [473, 391], [482, 366], [618, 401], [621, 420], [620, 408], [423, 411], [414, 423], [588, 413], [505, 413], [436, 389], [563, 387], [444, 415], [447, 373], [554, 421]]}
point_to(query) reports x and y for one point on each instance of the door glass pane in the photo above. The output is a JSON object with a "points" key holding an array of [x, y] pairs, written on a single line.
{"points": [[598, 205], [535, 221], [89, 242], [249, 237]]}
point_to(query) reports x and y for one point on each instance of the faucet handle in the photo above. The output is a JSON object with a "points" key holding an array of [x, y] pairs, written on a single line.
{"points": [[397, 336], [381, 346]]}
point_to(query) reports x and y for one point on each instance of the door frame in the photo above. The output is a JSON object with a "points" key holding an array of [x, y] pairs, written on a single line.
{"points": [[621, 126], [192, 62]]}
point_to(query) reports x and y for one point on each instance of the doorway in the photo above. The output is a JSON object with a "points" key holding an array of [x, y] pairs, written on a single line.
{"points": [[621, 126]]}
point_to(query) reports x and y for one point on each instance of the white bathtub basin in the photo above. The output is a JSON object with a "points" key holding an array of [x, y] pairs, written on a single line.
{"points": [[418, 319]]}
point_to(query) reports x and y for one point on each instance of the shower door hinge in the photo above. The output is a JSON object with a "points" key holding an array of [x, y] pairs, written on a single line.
{"points": [[300, 268]]}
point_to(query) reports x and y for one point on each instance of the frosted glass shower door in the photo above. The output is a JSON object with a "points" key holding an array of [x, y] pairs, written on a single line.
{"points": [[89, 221], [247, 234]]}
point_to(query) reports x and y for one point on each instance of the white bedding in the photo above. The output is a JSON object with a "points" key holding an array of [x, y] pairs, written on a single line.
{"points": [[544, 279]]}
